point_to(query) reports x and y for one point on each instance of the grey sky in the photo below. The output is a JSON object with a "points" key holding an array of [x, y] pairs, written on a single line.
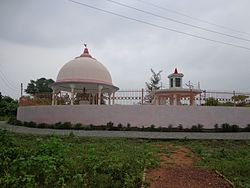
{"points": [[39, 36]]}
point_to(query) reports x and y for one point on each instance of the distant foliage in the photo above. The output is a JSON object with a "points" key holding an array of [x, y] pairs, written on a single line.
{"points": [[41, 85], [212, 102], [8, 106], [154, 84], [240, 100]]}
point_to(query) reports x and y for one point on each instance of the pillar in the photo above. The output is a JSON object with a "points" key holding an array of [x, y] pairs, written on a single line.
{"points": [[171, 98], [113, 98], [142, 96], [109, 94], [72, 96], [53, 97], [191, 99], [157, 99], [178, 99], [99, 94], [175, 100], [93, 98]]}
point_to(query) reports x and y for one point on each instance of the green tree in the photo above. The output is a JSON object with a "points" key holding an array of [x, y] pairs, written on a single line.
{"points": [[240, 99], [154, 84], [8, 106], [212, 102], [41, 85]]}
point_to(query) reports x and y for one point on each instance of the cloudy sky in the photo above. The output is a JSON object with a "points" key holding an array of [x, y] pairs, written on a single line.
{"points": [[38, 37]]}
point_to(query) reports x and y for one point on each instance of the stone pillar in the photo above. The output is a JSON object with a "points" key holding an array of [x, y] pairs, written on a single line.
{"points": [[171, 98], [56, 98], [175, 100], [178, 99], [113, 98], [157, 99], [53, 97], [99, 94], [191, 99], [109, 94], [93, 98], [142, 96], [72, 96]]}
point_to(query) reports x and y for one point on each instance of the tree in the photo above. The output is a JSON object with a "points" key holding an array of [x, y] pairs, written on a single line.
{"points": [[212, 102], [152, 85], [240, 99], [8, 106], [41, 85]]}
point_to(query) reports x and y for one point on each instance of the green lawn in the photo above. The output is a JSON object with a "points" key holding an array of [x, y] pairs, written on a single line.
{"points": [[50, 161], [69, 161], [231, 158]]}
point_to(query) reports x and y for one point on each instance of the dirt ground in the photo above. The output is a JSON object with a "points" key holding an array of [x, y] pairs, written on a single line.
{"points": [[176, 170]]}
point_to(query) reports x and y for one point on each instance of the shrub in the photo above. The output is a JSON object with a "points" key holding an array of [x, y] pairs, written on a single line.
{"points": [[110, 125], [44, 125], [170, 127], [247, 128], [57, 125], [119, 126], [128, 127], [225, 127], [12, 120], [67, 125], [194, 128], [30, 124], [180, 127], [216, 128], [197, 128], [78, 126], [200, 127], [152, 127], [235, 128]]}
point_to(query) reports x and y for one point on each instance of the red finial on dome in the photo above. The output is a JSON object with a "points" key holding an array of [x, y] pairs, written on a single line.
{"points": [[85, 51], [176, 71]]}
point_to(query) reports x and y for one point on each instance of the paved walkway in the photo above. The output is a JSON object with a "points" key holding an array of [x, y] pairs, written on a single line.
{"points": [[129, 134]]}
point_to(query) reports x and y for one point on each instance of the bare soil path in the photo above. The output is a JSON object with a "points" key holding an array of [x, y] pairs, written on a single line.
{"points": [[176, 170]]}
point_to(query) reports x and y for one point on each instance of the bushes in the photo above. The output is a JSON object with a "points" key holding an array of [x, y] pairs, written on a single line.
{"points": [[52, 161], [197, 128], [65, 125], [225, 127], [22, 167]]}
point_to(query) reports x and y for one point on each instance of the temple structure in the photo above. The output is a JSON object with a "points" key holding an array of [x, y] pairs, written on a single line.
{"points": [[83, 80], [176, 92]]}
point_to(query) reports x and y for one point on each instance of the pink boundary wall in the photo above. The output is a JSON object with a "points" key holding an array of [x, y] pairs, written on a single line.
{"points": [[136, 115]]}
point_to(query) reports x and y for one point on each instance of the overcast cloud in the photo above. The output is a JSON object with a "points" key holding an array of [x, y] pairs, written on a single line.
{"points": [[39, 36]]}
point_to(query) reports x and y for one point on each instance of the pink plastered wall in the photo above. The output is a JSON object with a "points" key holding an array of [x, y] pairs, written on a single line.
{"points": [[136, 115]]}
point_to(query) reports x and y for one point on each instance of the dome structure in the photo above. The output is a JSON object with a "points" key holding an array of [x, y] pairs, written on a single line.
{"points": [[84, 69], [84, 74]]}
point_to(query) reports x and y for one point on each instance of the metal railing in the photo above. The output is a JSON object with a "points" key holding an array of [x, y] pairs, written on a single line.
{"points": [[131, 97]]}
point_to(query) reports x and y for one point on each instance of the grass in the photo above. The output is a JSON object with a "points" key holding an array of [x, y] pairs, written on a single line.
{"points": [[231, 158], [69, 161], [52, 161]]}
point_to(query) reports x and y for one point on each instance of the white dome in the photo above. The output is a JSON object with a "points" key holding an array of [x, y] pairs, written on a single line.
{"points": [[84, 69]]}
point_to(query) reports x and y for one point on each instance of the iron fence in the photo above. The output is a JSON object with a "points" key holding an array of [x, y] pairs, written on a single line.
{"points": [[135, 97]]}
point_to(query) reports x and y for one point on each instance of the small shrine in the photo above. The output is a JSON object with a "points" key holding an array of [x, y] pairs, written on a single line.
{"points": [[175, 93]]}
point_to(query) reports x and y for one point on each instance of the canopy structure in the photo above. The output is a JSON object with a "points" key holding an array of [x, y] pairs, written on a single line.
{"points": [[86, 79], [175, 92]]}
